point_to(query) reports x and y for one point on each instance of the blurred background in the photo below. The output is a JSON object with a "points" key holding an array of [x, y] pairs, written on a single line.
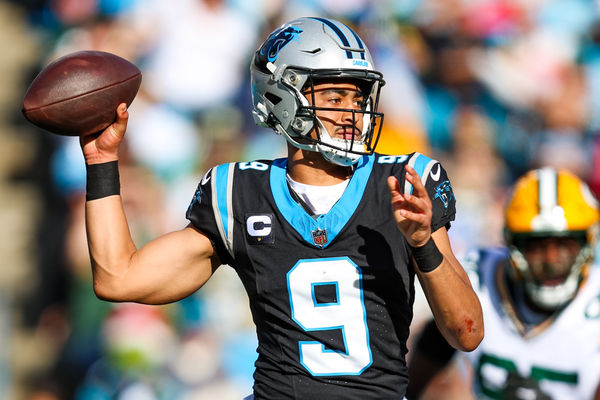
{"points": [[491, 88]]}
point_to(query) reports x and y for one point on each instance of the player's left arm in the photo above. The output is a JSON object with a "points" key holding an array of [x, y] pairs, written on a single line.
{"points": [[452, 300]]}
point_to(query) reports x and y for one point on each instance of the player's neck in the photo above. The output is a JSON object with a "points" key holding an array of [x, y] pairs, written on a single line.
{"points": [[311, 168], [528, 320]]}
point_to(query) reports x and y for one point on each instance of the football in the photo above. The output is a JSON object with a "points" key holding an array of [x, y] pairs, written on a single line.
{"points": [[78, 94]]}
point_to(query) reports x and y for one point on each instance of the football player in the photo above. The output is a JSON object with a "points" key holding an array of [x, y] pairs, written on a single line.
{"points": [[326, 241], [540, 296]]}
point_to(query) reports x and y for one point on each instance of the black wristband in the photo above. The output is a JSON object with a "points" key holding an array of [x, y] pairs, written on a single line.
{"points": [[428, 256], [102, 180]]}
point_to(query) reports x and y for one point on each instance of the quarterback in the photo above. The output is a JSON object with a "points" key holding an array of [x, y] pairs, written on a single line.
{"points": [[540, 296], [326, 241]]}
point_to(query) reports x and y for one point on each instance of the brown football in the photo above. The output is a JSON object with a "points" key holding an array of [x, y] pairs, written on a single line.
{"points": [[78, 94]]}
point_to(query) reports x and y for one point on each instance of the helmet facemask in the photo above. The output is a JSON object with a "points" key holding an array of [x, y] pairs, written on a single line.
{"points": [[551, 283], [309, 121]]}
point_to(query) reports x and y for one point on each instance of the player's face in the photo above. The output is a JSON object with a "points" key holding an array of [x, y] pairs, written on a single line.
{"points": [[550, 258], [340, 108]]}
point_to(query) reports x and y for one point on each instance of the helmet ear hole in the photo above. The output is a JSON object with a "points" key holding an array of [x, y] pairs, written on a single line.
{"points": [[272, 98]]}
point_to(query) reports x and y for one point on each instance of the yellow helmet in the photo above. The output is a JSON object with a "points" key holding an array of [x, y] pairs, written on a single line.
{"points": [[551, 205]]}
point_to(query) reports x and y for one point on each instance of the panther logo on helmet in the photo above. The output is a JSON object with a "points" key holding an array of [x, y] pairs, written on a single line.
{"points": [[273, 45]]}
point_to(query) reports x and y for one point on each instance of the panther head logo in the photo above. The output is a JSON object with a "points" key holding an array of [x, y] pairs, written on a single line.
{"points": [[277, 41], [444, 192]]}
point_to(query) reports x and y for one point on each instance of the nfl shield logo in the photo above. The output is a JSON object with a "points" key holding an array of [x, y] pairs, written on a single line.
{"points": [[319, 237]]}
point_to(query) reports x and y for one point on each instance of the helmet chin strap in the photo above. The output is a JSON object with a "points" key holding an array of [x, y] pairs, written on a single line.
{"points": [[328, 144], [326, 147], [552, 298], [336, 156]]}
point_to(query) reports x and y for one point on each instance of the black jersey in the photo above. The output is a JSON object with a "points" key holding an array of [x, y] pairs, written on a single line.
{"points": [[331, 296]]}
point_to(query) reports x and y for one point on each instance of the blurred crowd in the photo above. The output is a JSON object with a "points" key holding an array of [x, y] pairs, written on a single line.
{"points": [[491, 88]]}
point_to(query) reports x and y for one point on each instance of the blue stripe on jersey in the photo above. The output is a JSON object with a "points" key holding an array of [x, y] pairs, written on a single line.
{"points": [[221, 178], [338, 32], [339, 214], [420, 163]]}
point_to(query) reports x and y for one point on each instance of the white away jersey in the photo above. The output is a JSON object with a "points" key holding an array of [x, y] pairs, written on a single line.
{"points": [[562, 361]]}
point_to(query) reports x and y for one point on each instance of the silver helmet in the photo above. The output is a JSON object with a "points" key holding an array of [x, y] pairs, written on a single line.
{"points": [[290, 61]]}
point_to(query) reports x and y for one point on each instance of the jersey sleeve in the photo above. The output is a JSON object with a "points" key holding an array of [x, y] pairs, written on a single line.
{"points": [[438, 185], [210, 211]]}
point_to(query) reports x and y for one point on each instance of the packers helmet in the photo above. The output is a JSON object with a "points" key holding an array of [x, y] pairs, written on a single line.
{"points": [[295, 57], [553, 213]]}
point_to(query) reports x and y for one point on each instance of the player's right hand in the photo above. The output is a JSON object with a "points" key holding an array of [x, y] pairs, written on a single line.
{"points": [[104, 147]]}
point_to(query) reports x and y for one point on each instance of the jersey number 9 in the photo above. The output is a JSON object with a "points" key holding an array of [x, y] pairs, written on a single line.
{"points": [[342, 309]]}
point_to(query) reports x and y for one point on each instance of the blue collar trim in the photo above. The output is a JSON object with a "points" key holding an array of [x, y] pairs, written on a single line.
{"points": [[339, 215]]}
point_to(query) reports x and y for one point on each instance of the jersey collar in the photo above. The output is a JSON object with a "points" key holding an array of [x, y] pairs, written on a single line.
{"points": [[339, 215]]}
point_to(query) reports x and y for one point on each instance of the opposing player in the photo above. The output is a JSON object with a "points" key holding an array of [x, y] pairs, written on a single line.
{"points": [[326, 241], [540, 296]]}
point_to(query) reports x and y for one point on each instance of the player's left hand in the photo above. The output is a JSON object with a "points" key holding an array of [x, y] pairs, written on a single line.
{"points": [[413, 212]]}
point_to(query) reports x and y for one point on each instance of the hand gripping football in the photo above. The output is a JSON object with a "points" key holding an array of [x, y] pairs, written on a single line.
{"points": [[78, 94]]}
